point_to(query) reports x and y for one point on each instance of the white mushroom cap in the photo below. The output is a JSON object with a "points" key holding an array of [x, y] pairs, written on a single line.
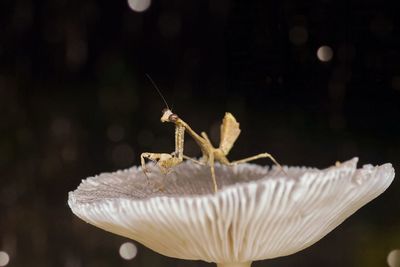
{"points": [[257, 214]]}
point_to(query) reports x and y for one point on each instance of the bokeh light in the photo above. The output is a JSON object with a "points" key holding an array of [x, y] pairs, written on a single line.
{"points": [[298, 35], [170, 24], [325, 53], [396, 82], [61, 127], [122, 155], [4, 258], [115, 133], [381, 26], [139, 5], [69, 153], [128, 251], [393, 258], [76, 53]]}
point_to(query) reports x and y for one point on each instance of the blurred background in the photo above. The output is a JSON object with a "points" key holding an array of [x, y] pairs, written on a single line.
{"points": [[311, 82]]}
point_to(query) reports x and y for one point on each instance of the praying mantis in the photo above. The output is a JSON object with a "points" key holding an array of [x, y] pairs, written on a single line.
{"points": [[230, 131]]}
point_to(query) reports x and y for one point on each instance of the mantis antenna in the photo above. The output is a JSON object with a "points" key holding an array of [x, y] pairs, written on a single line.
{"points": [[158, 90]]}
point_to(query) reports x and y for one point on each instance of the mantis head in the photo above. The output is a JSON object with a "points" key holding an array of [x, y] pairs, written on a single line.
{"points": [[168, 116]]}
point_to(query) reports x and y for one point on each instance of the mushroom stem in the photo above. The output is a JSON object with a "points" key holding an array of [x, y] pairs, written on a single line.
{"points": [[234, 264]]}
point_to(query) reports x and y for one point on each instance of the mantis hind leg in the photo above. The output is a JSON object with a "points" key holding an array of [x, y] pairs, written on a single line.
{"points": [[259, 156], [193, 160], [212, 169]]}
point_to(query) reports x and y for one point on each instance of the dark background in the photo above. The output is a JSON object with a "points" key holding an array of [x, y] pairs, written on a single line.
{"points": [[75, 101]]}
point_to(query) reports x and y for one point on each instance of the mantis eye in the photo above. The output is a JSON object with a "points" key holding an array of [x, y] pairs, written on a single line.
{"points": [[164, 110], [173, 117]]}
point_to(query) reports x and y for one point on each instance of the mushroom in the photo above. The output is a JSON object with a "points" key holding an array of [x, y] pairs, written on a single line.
{"points": [[259, 213]]}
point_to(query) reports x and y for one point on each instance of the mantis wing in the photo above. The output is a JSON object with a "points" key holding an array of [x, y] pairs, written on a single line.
{"points": [[229, 133]]}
